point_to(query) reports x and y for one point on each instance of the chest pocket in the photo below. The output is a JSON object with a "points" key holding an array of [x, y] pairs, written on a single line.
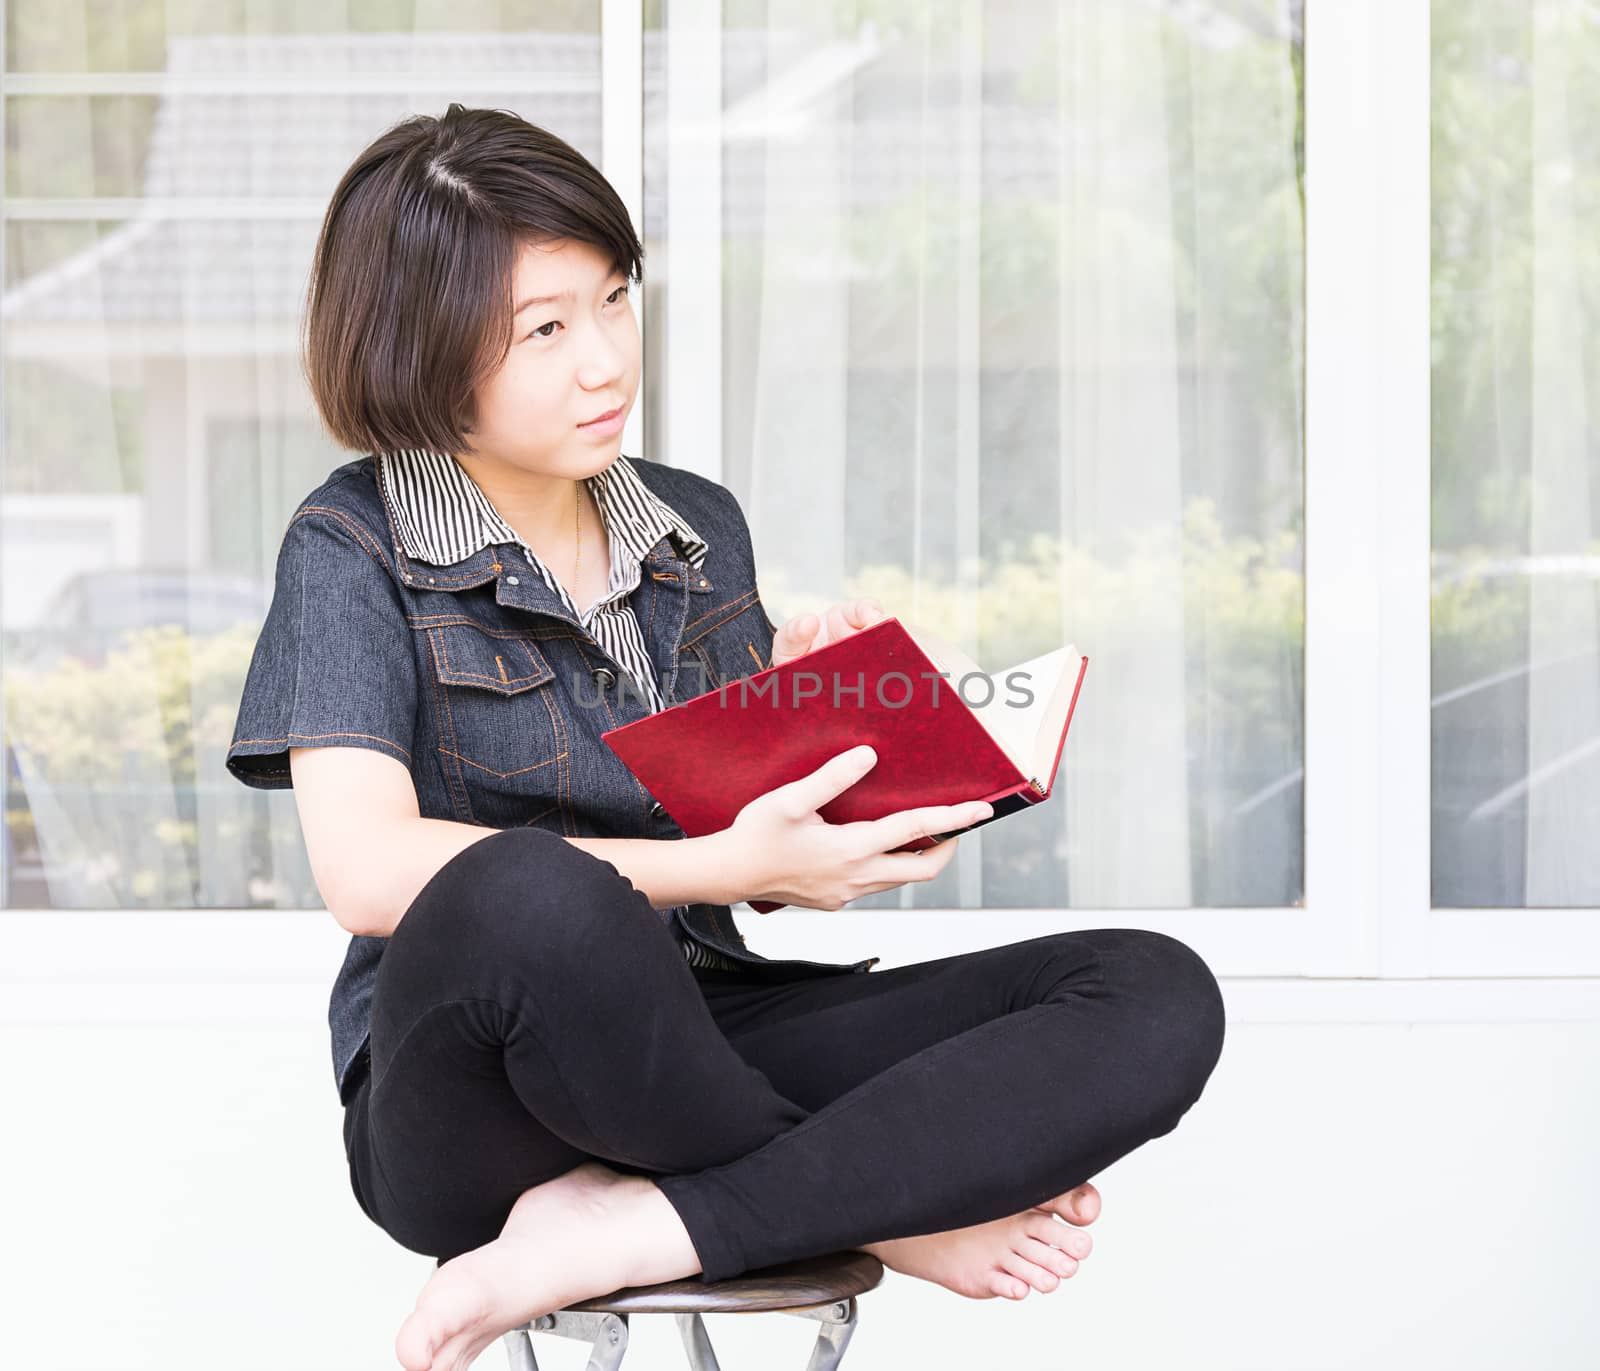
{"points": [[725, 644], [503, 738]]}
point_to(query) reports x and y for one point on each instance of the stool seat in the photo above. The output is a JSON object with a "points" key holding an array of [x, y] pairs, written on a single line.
{"points": [[822, 1289], [793, 1285]]}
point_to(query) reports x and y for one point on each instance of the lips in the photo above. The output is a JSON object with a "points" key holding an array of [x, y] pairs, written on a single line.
{"points": [[601, 418]]}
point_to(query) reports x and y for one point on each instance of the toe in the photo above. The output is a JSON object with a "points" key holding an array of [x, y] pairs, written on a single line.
{"points": [[413, 1345], [1080, 1206], [1006, 1284], [1053, 1259], [1086, 1203], [1069, 1240], [1031, 1272]]}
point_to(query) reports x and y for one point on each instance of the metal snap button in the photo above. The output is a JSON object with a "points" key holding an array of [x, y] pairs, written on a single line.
{"points": [[605, 676], [512, 581], [657, 810]]}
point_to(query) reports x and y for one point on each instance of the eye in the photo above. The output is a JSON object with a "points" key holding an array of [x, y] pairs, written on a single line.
{"points": [[610, 299]]}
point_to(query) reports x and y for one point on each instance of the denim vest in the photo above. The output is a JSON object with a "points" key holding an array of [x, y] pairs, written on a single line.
{"points": [[479, 679]]}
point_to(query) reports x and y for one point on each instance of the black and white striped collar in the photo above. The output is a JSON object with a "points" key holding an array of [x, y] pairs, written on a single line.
{"points": [[442, 516]]}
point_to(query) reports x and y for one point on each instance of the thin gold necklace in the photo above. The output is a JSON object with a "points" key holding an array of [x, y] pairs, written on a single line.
{"points": [[577, 537]]}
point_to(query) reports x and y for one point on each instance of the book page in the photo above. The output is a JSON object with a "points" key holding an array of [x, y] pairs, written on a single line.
{"points": [[1024, 732]]}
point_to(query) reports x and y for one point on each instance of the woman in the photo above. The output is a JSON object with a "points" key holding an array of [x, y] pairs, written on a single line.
{"points": [[563, 1071]]}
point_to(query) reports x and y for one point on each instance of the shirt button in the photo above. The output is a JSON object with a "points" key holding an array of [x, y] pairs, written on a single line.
{"points": [[512, 581]]}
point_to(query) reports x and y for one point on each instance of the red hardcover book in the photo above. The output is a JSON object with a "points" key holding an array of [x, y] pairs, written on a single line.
{"points": [[899, 688], [943, 728]]}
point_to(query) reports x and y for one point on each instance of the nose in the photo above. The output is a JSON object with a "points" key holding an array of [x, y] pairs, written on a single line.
{"points": [[609, 354]]}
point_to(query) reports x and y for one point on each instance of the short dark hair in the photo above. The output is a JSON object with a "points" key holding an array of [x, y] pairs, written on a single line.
{"points": [[409, 301]]}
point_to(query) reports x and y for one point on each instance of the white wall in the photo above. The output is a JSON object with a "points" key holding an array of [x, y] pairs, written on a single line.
{"points": [[1380, 1175]]}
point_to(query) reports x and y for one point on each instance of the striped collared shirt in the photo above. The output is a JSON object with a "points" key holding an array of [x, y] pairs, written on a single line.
{"points": [[442, 515]]}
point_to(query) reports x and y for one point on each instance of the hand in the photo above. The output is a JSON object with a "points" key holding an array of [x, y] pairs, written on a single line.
{"points": [[806, 632], [781, 849]]}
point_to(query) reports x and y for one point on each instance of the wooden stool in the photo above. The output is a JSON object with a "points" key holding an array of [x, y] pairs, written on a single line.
{"points": [[820, 1288]]}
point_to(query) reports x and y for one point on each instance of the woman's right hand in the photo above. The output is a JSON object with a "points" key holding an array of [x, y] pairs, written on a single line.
{"points": [[783, 850]]}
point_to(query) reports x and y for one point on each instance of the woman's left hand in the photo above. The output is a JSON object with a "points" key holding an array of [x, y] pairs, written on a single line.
{"points": [[807, 632]]}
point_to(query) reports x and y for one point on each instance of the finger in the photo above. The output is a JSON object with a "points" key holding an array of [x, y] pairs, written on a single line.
{"points": [[795, 636], [902, 868], [861, 613], [801, 628], [898, 829], [833, 777]]}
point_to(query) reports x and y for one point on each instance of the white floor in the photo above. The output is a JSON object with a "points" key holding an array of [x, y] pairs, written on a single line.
{"points": [[1383, 1196]]}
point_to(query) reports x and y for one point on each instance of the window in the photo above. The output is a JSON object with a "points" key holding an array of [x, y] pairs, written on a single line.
{"points": [[1012, 336], [166, 168]]}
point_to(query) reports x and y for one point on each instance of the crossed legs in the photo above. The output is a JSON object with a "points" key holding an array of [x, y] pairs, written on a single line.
{"points": [[533, 1014]]}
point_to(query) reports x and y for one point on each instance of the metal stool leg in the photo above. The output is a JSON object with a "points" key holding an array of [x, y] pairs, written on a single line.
{"points": [[838, 1320], [837, 1317], [607, 1332], [696, 1342], [519, 1350]]}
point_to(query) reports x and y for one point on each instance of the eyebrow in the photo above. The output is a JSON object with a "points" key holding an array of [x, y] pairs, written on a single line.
{"points": [[543, 300], [551, 299]]}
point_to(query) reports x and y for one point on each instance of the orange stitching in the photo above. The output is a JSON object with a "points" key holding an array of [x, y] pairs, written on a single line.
{"points": [[563, 774], [534, 679], [760, 666], [367, 542], [499, 663], [637, 784], [456, 782], [538, 635], [503, 775], [248, 742], [726, 619], [712, 670]]}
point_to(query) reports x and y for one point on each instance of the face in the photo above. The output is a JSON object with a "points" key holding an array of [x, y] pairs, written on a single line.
{"points": [[572, 358]]}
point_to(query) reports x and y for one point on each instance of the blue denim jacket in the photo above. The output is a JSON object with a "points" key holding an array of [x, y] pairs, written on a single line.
{"points": [[483, 683]]}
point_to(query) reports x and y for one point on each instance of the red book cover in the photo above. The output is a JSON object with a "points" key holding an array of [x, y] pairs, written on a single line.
{"points": [[945, 732]]}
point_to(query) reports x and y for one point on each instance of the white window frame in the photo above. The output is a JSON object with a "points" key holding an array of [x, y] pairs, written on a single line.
{"points": [[1367, 915]]}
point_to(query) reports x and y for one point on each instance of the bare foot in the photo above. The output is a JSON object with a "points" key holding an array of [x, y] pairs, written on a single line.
{"points": [[585, 1233], [1080, 1206], [1003, 1257]]}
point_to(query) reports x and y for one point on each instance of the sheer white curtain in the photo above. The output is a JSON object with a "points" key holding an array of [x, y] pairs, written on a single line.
{"points": [[1013, 336], [166, 170], [1563, 862], [1516, 465]]}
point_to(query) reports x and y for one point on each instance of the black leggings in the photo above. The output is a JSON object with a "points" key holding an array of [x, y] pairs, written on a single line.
{"points": [[532, 1012]]}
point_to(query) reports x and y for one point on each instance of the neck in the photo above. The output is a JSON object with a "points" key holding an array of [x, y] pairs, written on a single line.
{"points": [[538, 506]]}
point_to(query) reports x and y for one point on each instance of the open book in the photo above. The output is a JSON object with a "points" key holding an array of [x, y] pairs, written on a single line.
{"points": [[945, 732]]}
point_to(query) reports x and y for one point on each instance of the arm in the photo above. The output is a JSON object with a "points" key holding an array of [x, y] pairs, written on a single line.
{"points": [[371, 852]]}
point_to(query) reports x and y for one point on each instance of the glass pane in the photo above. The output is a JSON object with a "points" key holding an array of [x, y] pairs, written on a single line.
{"points": [[209, 39], [1013, 332], [1516, 459], [157, 430]]}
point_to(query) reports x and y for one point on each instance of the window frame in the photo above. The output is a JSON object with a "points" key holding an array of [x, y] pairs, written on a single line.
{"points": [[1367, 911]]}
